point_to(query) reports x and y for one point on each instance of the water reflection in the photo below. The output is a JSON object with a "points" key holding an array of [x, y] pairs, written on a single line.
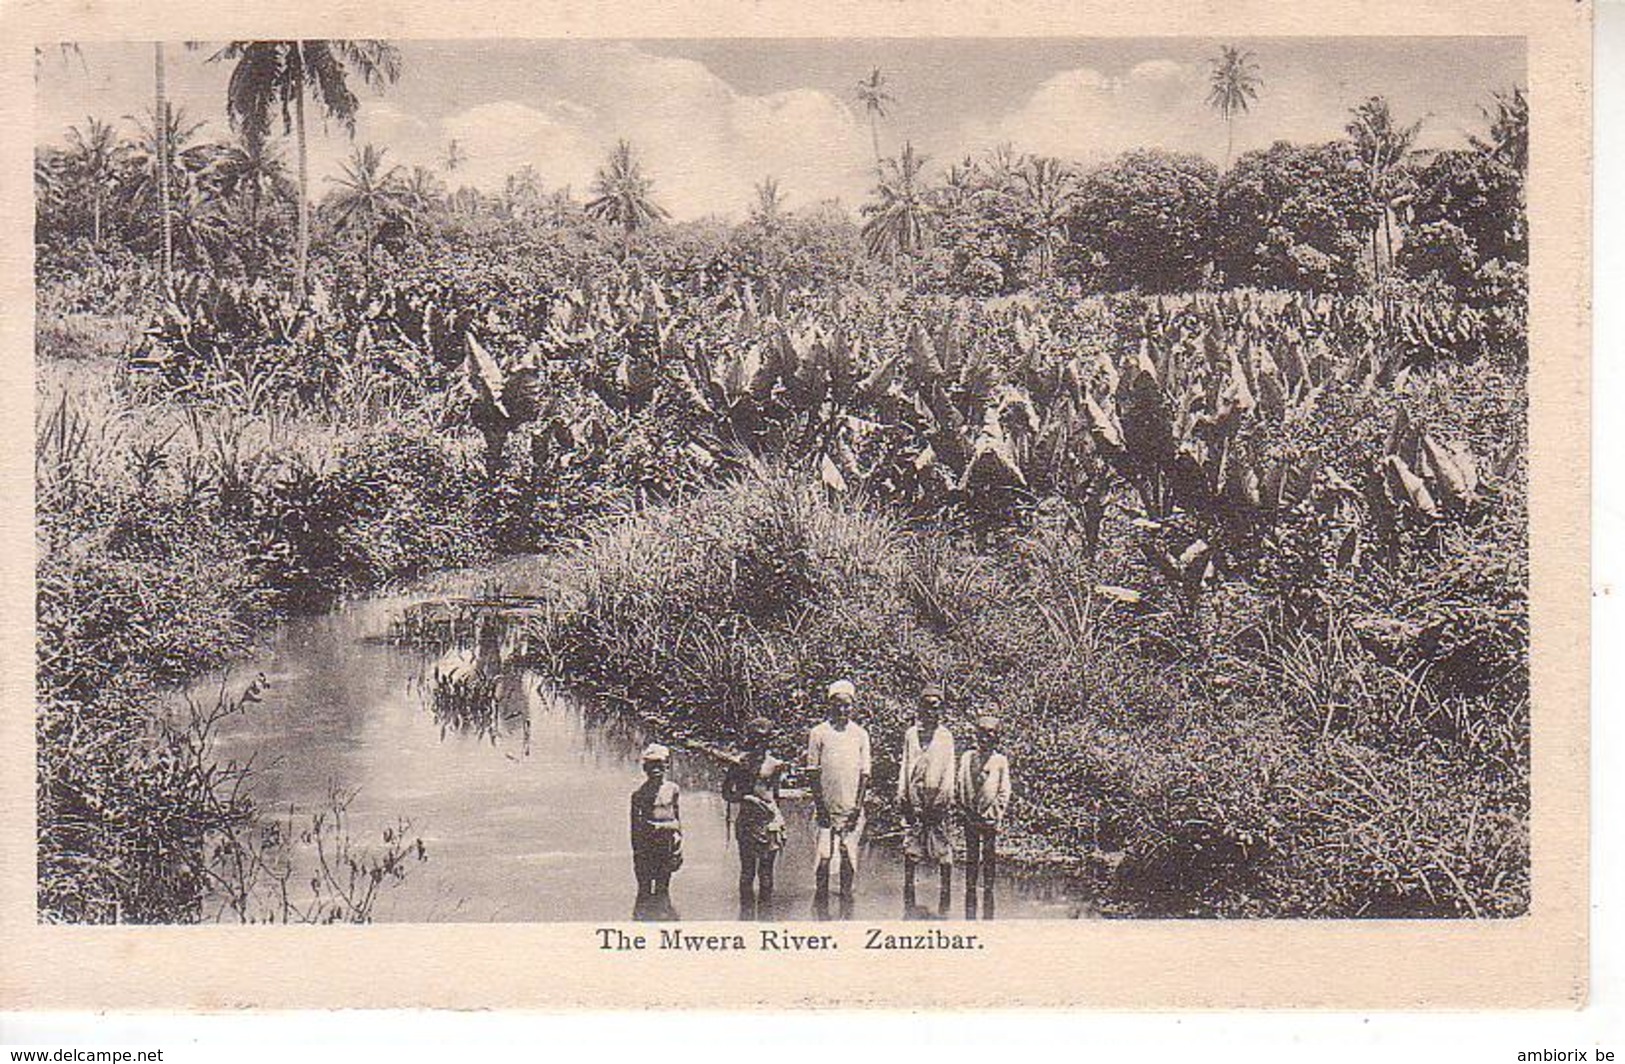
{"points": [[655, 908], [522, 801]]}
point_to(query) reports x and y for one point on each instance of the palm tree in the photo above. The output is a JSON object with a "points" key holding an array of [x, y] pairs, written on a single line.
{"points": [[873, 96], [466, 201], [1381, 147], [1509, 130], [1232, 87], [160, 113], [901, 219], [522, 191], [272, 75], [455, 156], [622, 195], [201, 226], [1044, 193], [370, 197], [92, 163], [959, 184], [251, 170], [425, 190], [166, 157], [561, 206], [769, 205], [50, 177]]}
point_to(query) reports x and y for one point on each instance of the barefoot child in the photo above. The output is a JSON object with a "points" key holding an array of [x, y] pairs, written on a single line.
{"points": [[657, 830], [753, 785], [984, 795]]}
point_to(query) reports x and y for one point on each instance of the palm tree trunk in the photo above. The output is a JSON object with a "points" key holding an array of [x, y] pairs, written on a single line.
{"points": [[372, 227], [161, 121], [1229, 140], [1388, 234], [874, 135], [302, 247], [96, 220]]}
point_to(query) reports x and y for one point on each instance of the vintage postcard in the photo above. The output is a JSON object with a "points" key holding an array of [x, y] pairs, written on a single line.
{"points": [[746, 505]]}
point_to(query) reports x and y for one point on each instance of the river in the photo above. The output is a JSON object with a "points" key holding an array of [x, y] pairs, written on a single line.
{"points": [[523, 821]]}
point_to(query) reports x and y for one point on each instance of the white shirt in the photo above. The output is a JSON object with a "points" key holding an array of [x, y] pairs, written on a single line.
{"points": [[841, 756], [926, 780], [984, 786]]}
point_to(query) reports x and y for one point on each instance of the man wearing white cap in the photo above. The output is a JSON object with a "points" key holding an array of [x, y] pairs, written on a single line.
{"points": [[838, 762]]}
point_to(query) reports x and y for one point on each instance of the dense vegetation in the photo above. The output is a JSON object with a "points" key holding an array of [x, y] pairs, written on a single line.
{"points": [[1212, 482]]}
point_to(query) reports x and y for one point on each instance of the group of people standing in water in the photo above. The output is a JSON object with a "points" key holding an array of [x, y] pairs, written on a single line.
{"points": [[936, 784]]}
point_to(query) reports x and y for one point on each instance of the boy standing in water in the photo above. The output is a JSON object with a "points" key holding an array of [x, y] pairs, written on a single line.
{"points": [[925, 795], [657, 830], [753, 784], [984, 795], [838, 761]]}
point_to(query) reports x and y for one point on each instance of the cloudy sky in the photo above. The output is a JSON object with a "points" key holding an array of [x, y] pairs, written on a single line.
{"points": [[711, 118]]}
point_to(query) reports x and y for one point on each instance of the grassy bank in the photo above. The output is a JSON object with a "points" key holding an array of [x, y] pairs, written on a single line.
{"points": [[169, 535], [1184, 750], [1259, 625]]}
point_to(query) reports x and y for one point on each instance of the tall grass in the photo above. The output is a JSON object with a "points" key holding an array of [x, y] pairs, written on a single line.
{"points": [[1200, 787], [170, 534]]}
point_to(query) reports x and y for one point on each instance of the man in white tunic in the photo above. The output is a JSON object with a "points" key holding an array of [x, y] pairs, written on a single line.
{"points": [[925, 796], [839, 764]]}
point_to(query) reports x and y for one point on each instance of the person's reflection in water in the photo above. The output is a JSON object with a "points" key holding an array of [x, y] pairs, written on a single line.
{"points": [[654, 908]]}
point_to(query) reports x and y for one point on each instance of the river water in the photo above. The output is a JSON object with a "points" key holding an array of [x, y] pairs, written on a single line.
{"points": [[523, 821]]}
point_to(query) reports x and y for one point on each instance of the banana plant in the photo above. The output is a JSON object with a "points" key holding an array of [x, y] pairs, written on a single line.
{"points": [[503, 400]]}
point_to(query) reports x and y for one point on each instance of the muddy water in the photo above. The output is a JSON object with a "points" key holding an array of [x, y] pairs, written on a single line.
{"points": [[523, 818]]}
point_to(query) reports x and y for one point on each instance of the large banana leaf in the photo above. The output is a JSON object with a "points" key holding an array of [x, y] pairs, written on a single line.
{"points": [[877, 384], [1405, 486], [736, 369], [1272, 386], [486, 377], [1236, 394], [1453, 470], [993, 466], [1147, 422], [923, 363], [1103, 425]]}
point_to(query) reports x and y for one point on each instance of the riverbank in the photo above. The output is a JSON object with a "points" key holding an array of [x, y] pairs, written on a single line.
{"points": [[170, 536], [1326, 717], [1134, 729]]}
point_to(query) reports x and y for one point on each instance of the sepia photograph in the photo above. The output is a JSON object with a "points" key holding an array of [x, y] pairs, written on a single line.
{"points": [[780, 480]]}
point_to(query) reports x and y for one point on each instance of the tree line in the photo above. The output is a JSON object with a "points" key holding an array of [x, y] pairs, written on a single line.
{"points": [[1336, 216]]}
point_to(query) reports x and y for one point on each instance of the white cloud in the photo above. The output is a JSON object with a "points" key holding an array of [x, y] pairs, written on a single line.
{"points": [[703, 143], [502, 137], [1086, 115], [1159, 70]]}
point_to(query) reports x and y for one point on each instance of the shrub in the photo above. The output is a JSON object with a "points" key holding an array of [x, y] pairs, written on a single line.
{"points": [[1441, 249], [1479, 195], [1144, 221], [1295, 217]]}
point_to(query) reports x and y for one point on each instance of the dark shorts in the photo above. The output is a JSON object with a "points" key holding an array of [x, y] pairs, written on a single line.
{"points": [[657, 854]]}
